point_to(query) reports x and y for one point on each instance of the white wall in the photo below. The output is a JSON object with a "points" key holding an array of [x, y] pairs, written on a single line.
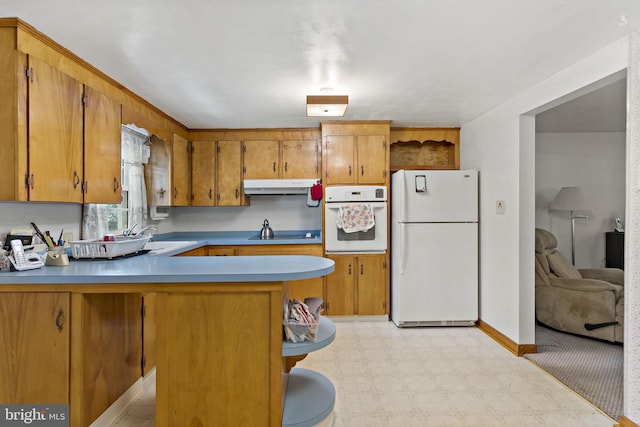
{"points": [[283, 212], [47, 216], [596, 163], [501, 145]]}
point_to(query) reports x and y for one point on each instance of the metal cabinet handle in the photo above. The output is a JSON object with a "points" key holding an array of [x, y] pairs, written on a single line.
{"points": [[175, 192], [349, 269], [76, 179], [274, 166], [361, 269], [210, 193], [162, 191], [349, 170], [116, 184], [286, 166], [60, 320], [362, 170], [237, 193]]}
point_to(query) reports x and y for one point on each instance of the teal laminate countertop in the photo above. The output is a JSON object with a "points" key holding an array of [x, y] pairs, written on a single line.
{"points": [[163, 269], [239, 238]]}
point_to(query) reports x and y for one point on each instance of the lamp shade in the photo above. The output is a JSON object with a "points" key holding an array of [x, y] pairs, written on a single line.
{"points": [[327, 105], [569, 199]]}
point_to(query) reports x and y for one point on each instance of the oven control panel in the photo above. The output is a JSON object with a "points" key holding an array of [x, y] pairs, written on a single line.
{"points": [[356, 193]]}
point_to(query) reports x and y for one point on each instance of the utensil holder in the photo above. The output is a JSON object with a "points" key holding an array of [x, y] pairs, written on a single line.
{"points": [[57, 257]]}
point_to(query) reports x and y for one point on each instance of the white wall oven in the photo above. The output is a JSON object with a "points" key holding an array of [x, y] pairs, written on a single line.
{"points": [[355, 219]]}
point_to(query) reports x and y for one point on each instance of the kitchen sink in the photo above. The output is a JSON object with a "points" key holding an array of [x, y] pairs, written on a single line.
{"points": [[160, 247]]}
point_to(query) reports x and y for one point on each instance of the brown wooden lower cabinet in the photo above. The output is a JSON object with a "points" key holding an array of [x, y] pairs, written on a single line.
{"points": [[219, 350], [358, 285], [34, 348], [36, 334]]}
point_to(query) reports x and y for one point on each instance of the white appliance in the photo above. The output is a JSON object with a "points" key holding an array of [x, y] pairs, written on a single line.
{"points": [[434, 248], [371, 197], [278, 186]]}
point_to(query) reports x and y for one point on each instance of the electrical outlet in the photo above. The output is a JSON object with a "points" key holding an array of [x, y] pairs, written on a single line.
{"points": [[67, 237], [500, 207]]}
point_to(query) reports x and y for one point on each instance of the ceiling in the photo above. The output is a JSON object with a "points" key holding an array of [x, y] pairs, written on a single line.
{"points": [[251, 63]]}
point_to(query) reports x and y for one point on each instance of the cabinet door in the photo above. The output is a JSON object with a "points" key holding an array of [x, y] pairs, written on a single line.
{"points": [[339, 165], [34, 348], [261, 159], [181, 173], [300, 159], [372, 284], [157, 173], [55, 135], [372, 160], [203, 176], [102, 146], [340, 286], [229, 173]]}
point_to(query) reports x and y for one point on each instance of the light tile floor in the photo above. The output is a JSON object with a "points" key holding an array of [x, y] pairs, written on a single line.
{"points": [[422, 377]]}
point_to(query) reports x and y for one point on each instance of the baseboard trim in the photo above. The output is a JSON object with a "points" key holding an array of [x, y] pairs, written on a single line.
{"points": [[506, 342], [626, 422]]}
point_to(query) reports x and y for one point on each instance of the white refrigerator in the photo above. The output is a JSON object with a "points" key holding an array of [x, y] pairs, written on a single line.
{"points": [[434, 248]]}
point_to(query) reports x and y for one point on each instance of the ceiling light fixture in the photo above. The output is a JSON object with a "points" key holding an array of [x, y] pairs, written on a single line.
{"points": [[327, 105]]}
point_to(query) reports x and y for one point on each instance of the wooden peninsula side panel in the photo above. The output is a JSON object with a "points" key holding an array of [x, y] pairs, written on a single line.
{"points": [[219, 356]]}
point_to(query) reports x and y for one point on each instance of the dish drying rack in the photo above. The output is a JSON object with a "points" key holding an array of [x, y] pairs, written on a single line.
{"points": [[123, 245]]}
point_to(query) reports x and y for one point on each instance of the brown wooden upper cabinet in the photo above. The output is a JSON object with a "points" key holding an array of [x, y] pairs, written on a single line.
{"points": [[355, 159], [181, 178], [280, 159], [203, 173], [102, 148], [229, 174], [60, 139], [54, 109], [216, 173]]}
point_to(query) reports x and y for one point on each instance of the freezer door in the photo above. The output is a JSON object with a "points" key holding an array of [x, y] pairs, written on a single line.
{"points": [[434, 272], [435, 196]]}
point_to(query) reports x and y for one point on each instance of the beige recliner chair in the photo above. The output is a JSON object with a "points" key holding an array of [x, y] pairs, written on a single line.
{"points": [[587, 302]]}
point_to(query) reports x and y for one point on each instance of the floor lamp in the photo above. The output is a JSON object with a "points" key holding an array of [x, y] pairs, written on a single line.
{"points": [[570, 199]]}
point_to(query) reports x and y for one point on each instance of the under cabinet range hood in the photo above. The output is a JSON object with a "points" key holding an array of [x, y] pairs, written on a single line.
{"points": [[278, 186]]}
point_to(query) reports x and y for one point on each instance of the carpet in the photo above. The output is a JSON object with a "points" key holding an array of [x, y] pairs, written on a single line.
{"points": [[593, 369]]}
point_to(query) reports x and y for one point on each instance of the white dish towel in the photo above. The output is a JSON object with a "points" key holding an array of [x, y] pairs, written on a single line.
{"points": [[355, 217]]}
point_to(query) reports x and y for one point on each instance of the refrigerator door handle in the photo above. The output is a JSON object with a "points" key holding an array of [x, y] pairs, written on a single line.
{"points": [[403, 248]]}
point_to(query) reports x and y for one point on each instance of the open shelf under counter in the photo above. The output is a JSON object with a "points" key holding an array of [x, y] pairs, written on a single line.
{"points": [[325, 336], [310, 396], [309, 401]]}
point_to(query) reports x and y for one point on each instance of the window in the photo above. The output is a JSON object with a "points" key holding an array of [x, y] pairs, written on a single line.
{"points": [[100, 219]]}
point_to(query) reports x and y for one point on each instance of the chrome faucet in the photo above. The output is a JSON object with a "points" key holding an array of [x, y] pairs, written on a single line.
{"points": [[129, 231], [144, 230]]}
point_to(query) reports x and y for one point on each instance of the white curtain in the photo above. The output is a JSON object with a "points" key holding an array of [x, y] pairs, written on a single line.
{"points": [[135, 153], [95, 221]]}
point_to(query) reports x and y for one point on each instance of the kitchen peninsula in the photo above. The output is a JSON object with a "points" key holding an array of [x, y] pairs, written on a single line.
{"points": [[219, 335]]}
